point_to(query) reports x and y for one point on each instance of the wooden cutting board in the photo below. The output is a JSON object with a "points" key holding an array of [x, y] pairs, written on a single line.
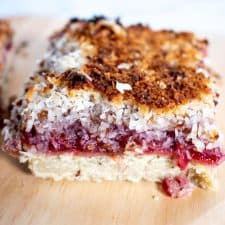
{"points": [[25, 199]]}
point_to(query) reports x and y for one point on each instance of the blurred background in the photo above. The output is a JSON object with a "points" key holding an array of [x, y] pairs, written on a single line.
{"points": [[197, 15]]}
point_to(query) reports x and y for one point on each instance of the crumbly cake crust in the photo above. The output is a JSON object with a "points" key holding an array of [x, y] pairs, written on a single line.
{"points": [[159, 66], [129, 167]]}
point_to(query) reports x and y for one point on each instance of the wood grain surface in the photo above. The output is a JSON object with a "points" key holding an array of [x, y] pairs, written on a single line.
{"points": [[25, 199]]}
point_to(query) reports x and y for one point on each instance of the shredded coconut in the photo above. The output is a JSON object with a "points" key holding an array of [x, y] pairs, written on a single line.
{"points": [[122, 87], [203, 71], [125, 66], [63, 55]]}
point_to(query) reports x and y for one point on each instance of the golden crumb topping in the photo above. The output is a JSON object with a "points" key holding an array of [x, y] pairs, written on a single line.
{"points": [[159, 66]]}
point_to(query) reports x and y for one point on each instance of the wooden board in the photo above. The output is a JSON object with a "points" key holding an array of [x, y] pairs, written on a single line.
{"points": [[25, 199]]}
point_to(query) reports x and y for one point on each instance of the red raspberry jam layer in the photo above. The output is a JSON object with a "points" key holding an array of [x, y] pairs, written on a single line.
{"points": [[75, 138]]}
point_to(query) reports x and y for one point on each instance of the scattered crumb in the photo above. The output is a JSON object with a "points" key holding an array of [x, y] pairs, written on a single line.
{"points": [[155, 197], [201, 179], [77, 173]]}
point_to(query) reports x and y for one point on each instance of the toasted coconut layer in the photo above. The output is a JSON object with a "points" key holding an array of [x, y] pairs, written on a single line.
{"points": [[157, 69]]}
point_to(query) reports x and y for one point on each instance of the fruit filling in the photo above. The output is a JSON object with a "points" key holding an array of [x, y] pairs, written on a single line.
{"points": [[177, 187], [115, 140]]}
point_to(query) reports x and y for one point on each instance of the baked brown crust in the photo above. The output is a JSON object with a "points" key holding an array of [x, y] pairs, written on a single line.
{"points": [[162, 64]]}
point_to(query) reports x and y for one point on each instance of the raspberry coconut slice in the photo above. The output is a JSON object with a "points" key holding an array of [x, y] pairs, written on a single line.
{"points": [[74, 121]]}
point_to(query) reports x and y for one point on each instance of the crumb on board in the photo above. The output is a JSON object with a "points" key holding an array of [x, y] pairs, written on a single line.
{"points": [[155, 197]]}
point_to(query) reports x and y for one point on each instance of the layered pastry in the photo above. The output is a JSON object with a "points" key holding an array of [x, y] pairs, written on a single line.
{"points": [[115, 102], [5, 46]]}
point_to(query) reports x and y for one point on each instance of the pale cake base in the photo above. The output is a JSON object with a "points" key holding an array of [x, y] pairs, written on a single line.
{"points": [[129, 167]]}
